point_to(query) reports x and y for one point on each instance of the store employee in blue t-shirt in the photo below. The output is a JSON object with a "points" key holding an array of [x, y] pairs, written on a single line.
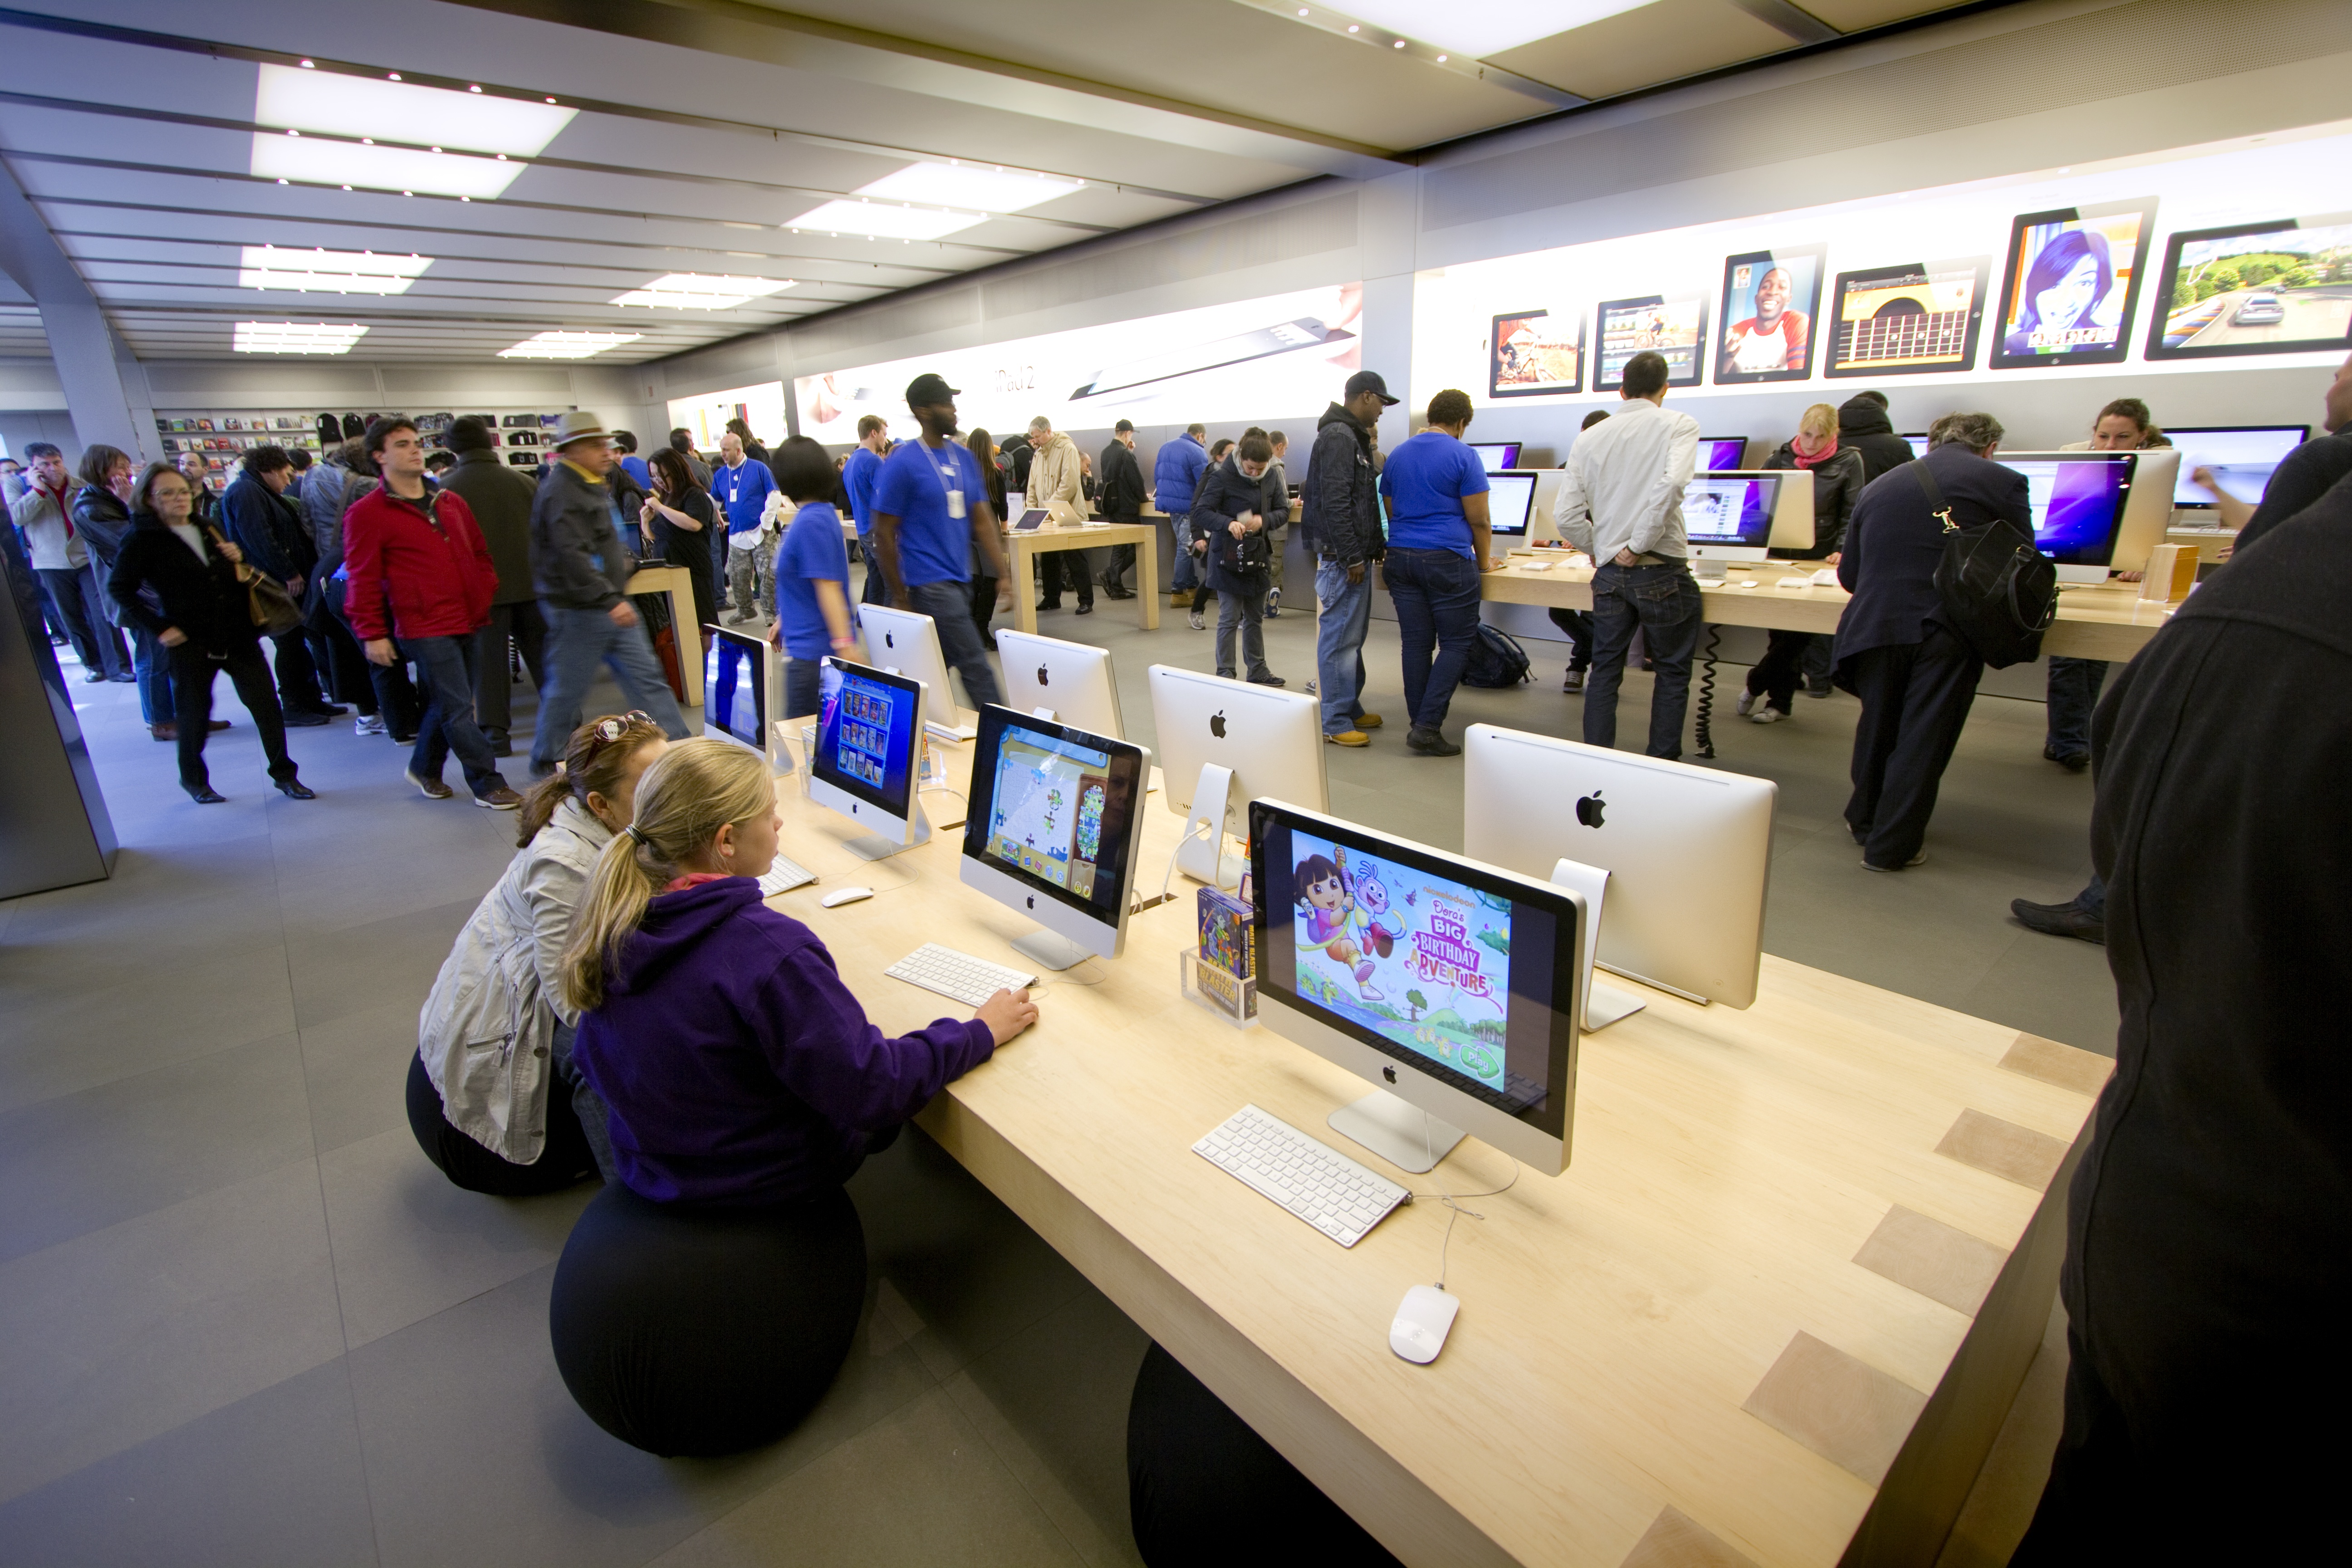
{"points": [[931, 513], [858, 478], [813, 615], [1436, 488]]}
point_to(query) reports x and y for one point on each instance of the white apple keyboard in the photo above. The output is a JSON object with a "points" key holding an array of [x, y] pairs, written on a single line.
{"points": [[1322, 1187], [959, 977], [783, 877]]}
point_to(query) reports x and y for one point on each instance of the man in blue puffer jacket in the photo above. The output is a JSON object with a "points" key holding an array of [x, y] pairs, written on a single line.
{"points": [[1175, 475]]}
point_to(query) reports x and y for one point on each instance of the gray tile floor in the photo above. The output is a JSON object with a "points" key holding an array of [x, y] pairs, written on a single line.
{"points": [[246, 1322]]}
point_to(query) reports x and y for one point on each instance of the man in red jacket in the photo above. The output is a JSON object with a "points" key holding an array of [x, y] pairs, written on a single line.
{"points": [[420, 572]]}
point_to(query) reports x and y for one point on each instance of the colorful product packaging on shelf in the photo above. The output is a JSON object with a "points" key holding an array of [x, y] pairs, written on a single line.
{"points": [[1228, 940]]}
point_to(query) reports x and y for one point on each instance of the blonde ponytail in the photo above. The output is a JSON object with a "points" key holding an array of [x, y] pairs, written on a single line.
{"points": [[692, 790]]}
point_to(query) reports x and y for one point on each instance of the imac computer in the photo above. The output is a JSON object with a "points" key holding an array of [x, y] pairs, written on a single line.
{"points": [[1450, 985], [1716, 453], [907, 642], [1684, 852], [743, 694], [1511, 502], [868, 758], [1917, 440], [1496, 455], [2077, 503], [1729, 517], [2147, 506], [1067, 681], [2241, 456], [1054, 831], [1222, 744]]}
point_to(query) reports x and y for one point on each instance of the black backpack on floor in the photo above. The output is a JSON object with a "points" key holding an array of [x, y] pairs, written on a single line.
{"points": [[1998, 593], [1496, 660]]}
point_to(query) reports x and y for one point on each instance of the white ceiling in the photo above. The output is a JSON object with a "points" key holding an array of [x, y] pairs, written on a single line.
{"points": [[689, 134]]}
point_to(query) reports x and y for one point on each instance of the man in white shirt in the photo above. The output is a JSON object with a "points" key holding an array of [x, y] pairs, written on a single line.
{"points": [[1622, 504]]}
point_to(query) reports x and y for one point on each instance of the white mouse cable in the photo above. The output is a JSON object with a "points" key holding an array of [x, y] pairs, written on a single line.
{"points": [[1446, 1242]]}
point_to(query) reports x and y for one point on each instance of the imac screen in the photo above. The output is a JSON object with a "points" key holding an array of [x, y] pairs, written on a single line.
{"points": [[735, 689], [1045, 808], [1428, 968], [1729, 510], [1719, 452], [2076, 505], [1907, 319], [2256, 289], [2241, 460], [1496, 456], [867, 735], [1510, 497]]}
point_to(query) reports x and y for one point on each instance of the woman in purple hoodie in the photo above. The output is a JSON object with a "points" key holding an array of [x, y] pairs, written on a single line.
{"points": [[745, 1086]]}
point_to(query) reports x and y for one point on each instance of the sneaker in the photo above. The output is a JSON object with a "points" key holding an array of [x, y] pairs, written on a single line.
{"points": [[1430, 742], [1368, 721], [1907, 865], [1574, 682], [1117, 591], [431, 789], [2059, 919], [1309, 688], [1747, 703], [1197, 624], [499, 799], [740, 620], [1766, 716], [1267, 680], [1350, 738], [298, 718], [368, 724]]}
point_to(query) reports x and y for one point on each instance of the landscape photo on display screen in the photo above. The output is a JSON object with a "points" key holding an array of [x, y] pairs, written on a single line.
{"points": [[1423, 960], [2273, 288], [1770, 300], [1046, 816], [2073, 277], [1534, 353], [1909, 319], [1674, 327]]}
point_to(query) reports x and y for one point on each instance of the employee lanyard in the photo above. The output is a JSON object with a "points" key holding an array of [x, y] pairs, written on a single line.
{"points": [[954, 497]]}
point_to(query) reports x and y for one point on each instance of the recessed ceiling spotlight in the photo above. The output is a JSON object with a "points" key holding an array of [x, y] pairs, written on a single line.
{"points": [[1400, 42], [1352, 27], [367, 140], [308, 66], [394, 75], [550, 100], [347, 187], [1441, 59], [475, 87]]}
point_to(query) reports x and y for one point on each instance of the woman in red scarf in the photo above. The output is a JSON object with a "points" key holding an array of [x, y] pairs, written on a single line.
{"points": [[1837, 484]]}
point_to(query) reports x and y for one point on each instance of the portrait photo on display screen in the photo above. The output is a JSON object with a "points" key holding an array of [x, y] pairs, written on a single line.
{"points": [[2074, 277], [2284, 287], [1674, 326], [1907, 319], [1770, 299], [1534, 353]]}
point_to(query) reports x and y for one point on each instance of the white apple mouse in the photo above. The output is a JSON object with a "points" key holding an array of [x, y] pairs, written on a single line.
{"points": [[841, 896], [1423, 1318]]}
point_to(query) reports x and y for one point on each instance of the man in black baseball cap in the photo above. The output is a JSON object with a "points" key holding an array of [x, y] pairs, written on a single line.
{"points": [[1363, 382], [931, 391], [1341, 520], [930, 517]]}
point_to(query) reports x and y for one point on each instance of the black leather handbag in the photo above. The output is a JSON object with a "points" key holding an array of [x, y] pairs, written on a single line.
{"points": [[2000, 594]]}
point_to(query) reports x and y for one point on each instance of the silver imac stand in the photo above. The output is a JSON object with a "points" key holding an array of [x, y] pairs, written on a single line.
{"points": [[1402, 1133], [874, 847], [1201, 854], [1051, 950], [1603, 1004]]}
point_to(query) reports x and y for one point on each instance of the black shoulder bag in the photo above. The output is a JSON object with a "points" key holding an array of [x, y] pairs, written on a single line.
{"points": [[1998, 593]]}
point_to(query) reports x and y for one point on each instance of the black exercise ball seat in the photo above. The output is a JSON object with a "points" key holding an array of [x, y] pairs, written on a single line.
{"points": [[1199, 1481], [700, 1331], [564, 1159]]}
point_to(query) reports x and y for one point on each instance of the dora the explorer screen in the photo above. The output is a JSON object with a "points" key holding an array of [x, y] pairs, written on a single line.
{"points": [[1422, 965]]}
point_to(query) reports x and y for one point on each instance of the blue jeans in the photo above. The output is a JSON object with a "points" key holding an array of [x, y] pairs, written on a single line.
{"points": [[948, 603], [2073, 692], [1340, 644], [578, 642], [447, 666], [1436, 595], [1186, 576], [151, 663], [802, 686], [1663, 602]]}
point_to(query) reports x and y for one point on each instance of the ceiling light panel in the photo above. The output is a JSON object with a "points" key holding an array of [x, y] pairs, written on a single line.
{"points": [[1490, 27], [883, 220], [697, 291], [297, 337], [567, 345], [982, 185], [342, 105], [277, 156], [327, 271]]}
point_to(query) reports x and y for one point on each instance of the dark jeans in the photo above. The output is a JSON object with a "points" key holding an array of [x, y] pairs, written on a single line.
{"points": [[983, 606], [803, 686], [1776, 675], [191, 698], [74, 600], [298, 673], [1914, 697], [522, 625], [339, 659], [447, 666], [1122, 561], [1663, 603], [878, 587], [1436, 597], [1577, 624], [2073, 692], [579, 642], [948, 603], [395, 698], [150, 667], [1071, 566]]}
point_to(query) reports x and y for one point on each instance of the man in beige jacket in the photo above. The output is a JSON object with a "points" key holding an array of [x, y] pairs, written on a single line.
{"points": [[1054, 481]]}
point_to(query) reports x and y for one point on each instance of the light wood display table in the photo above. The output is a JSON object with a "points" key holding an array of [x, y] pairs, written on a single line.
{"points": [[1774, 1312], [677, 583], [1021, 549]]}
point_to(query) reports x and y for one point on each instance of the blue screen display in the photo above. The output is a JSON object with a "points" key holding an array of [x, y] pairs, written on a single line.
{"points": [[734, 684], [1718, 452], [2076, 507], [866, 731]]}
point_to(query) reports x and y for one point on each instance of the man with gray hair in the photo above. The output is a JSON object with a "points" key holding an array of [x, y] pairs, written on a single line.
{"points": [[1917, 675], [1055, 480]]}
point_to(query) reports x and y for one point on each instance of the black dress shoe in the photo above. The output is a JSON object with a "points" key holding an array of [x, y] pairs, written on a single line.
{"points": [[207, 795], [1085, 606], [93, 676], [2073, 762], [1044, 605], [1430, 742], [1113, 591], [295, 789], [2060, 920], [331, 710], [299, 718]]}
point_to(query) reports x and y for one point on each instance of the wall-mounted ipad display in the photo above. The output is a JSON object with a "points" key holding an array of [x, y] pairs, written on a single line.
{"points": [[1912, 318], [2073, 282], [1770, 299], [1674, 326], [1534, 353], [2284, 287]]}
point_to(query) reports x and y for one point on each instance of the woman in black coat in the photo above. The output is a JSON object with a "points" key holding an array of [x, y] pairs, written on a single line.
{"points": [[179, 582], [1837, 484], [681, 525]]}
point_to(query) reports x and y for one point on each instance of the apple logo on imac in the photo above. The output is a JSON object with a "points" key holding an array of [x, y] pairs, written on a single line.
{"points": [[1589, 809], [890, 639], [1217, 723], [1042, 679]]}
